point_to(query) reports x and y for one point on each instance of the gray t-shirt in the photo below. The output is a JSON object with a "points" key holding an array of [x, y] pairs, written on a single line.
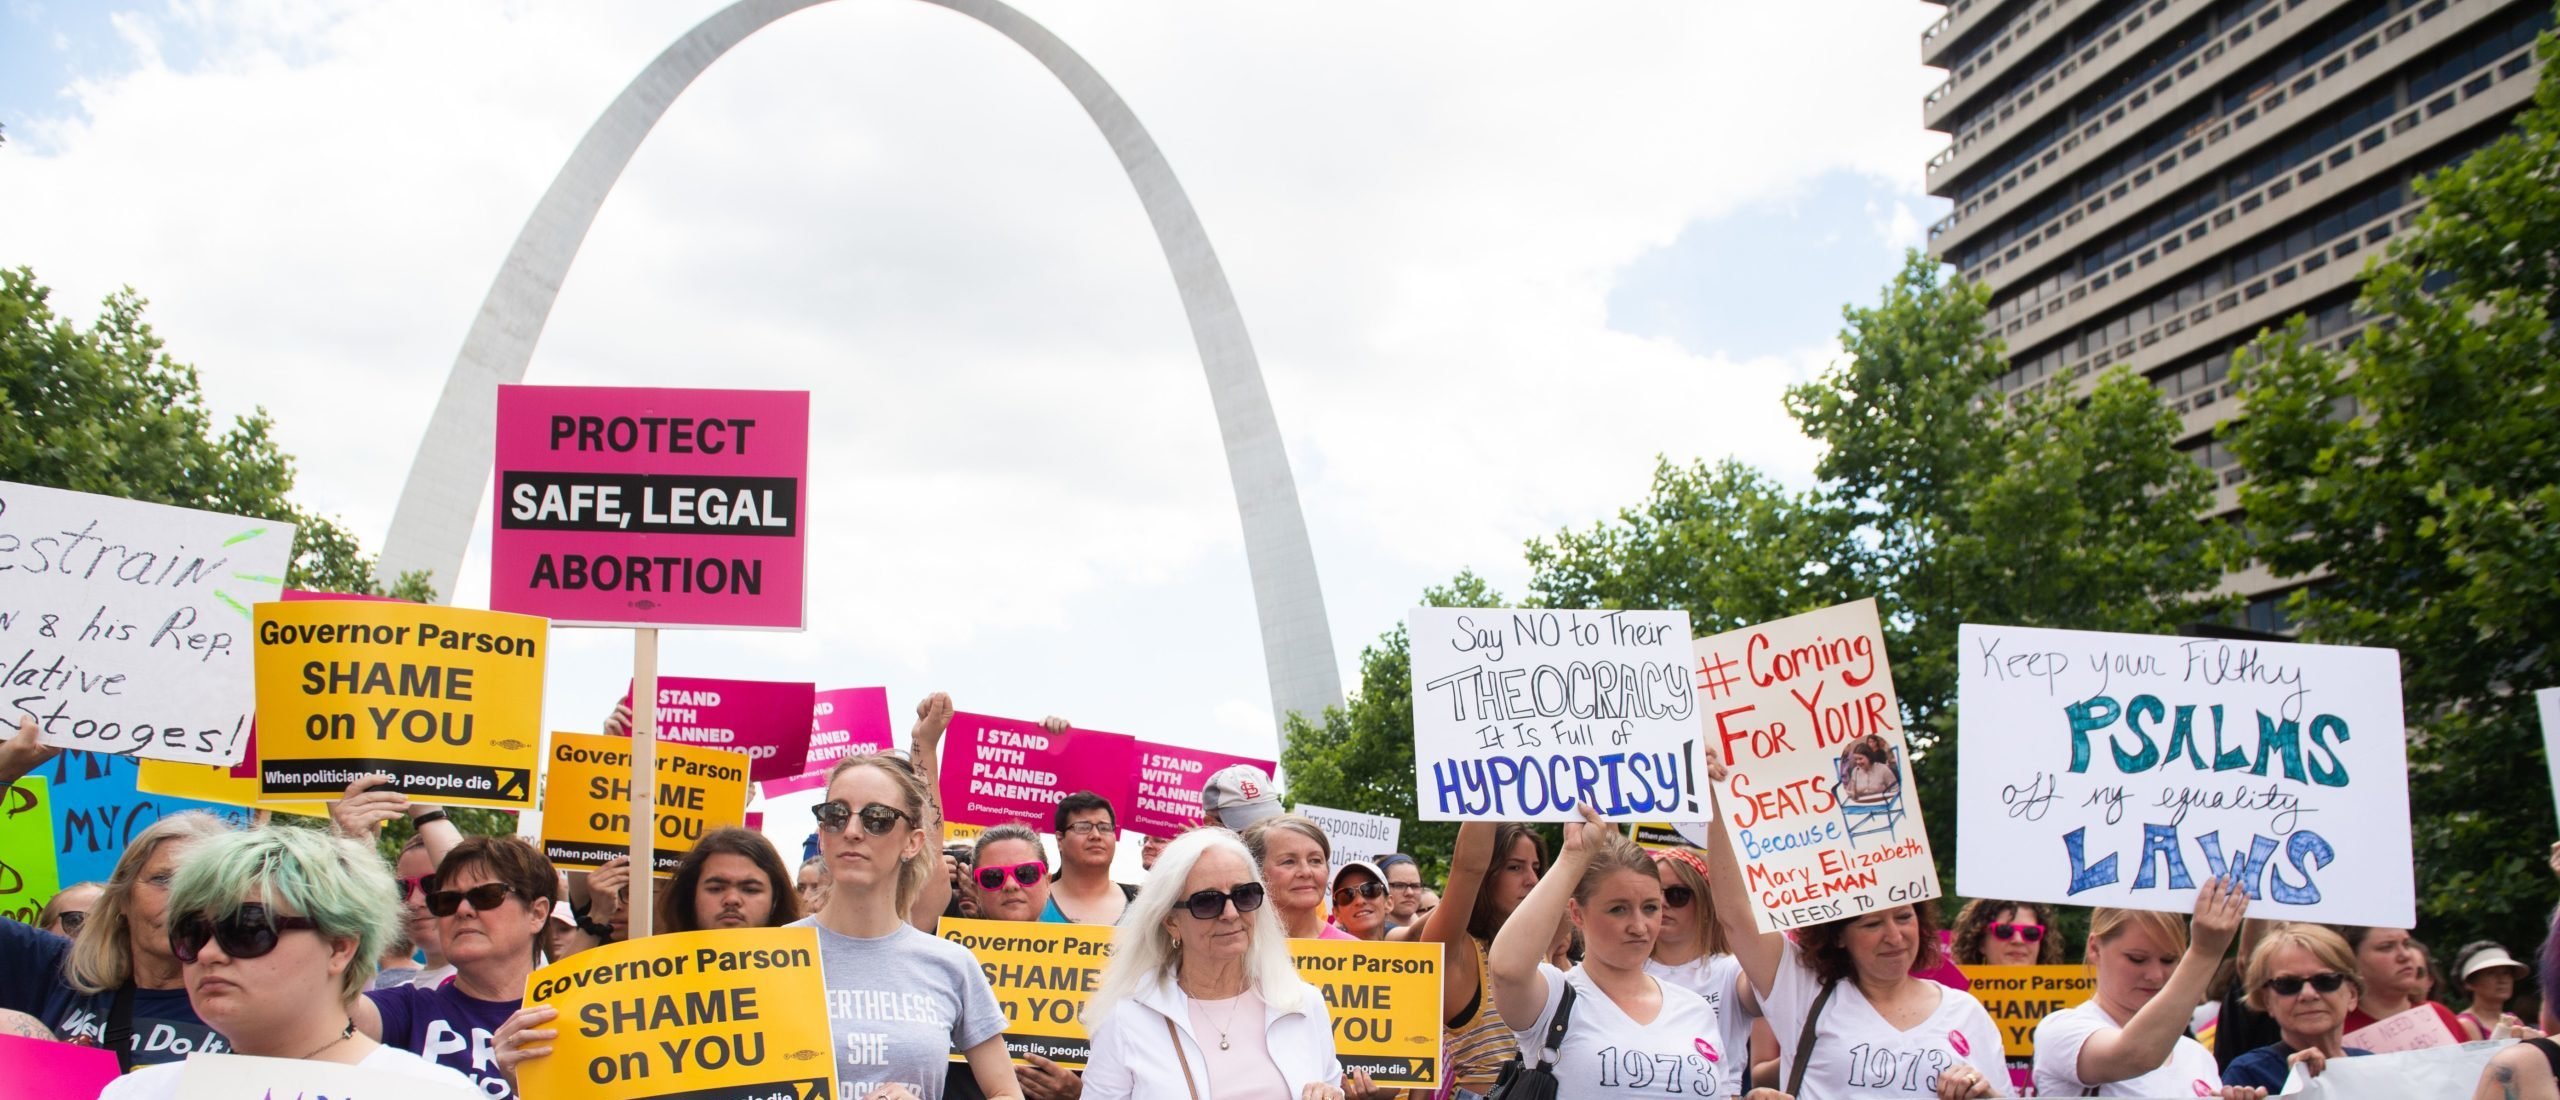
{"points": [[900, 1004]]}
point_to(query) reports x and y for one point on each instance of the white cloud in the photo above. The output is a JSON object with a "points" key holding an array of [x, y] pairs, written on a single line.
{"points": [[1019, 493]]}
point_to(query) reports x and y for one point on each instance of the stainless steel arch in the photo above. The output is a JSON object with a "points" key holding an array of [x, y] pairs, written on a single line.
{"points": [[441, 499]]}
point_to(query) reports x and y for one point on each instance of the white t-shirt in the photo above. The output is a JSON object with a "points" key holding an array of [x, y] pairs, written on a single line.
{"points": [[1857, 1054], [1608, 1054], [1712, 978], [2190, 1070], [160, 1082]]}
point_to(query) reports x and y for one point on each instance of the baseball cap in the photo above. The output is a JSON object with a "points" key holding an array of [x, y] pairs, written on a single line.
{"points": [[1239, 795]]}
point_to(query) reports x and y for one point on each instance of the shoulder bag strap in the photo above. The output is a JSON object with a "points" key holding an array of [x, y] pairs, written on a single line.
{"points": [[1555, 1030], [119, 1034], [1804, 1041], [1178, 1054]]}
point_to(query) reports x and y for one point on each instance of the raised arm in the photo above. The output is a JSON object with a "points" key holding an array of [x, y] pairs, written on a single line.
{"points": [[1518, 991], [2144, 1043], [1469, 862], [924, 750], [24, 753], [1758, 951]]}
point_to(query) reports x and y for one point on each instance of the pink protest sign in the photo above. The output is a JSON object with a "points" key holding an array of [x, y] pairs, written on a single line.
{"points": [[1169, 782], [247, 768], [767, 721], [996, 770], [41, 1070], [846, 721], [651, 507]]}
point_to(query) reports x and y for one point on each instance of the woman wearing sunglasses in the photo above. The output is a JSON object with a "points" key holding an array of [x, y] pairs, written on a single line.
{"points": [[1008, 875], [2129, 1039], [1200, 999], [492, 906], [69, 909], [1293, 853], [276, 931], [731, 879], [1691, 952], [2304, 977], [1360, 900], [2006, 933]]}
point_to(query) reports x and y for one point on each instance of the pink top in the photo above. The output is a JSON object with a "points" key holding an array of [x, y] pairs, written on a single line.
{"points": [[1332, 931], [1237, 1051]]}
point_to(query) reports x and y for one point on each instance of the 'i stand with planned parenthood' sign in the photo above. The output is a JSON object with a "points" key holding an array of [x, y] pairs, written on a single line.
{"points": [[2127, 769]]}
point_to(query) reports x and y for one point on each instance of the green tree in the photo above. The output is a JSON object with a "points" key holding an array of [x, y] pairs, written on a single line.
{"points": [[2415, 476], [106, 410]]}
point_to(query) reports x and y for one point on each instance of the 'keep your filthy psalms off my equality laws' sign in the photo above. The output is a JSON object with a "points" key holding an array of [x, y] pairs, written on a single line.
{"points": [[1526, 714], [1818, 799], [2127, 769]]}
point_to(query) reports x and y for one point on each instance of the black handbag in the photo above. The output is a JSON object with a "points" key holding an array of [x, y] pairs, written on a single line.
{"points": [[1521, 1081]]}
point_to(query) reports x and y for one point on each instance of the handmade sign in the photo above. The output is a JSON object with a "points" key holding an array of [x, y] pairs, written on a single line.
{"points": [[847, 721], [2416, 1029], [734, 1013], [2548, 701], [1385, 1001], [242, 1077], [2127, 769], [1524, 715], [1042, 974], [586, 800], [1353, 835], [1819, 800], [996, 770], [27, 877], [445, 700], [651, 507], [38, 1069], [1169, 781], [125, 628], [2020, 997], [98, 809], [765, 720]]}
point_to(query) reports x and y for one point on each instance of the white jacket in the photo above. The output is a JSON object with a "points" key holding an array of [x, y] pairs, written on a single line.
{"points": [[1133, 1057]]}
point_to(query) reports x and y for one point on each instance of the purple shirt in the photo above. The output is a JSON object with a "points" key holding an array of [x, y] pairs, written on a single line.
{"points": [[449, 1028]]}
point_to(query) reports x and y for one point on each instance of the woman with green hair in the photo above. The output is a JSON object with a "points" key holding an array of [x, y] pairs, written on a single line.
{"points": [[276, 931]]}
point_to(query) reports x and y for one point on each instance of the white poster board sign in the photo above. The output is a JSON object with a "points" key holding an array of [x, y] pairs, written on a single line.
{"points": [[124, 626], [1353, 835], [2127, 769], [241, 1077], [1819, 801], [2549, 701], [1524, 715]]}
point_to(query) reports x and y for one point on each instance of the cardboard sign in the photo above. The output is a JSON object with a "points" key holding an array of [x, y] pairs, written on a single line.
{"points": [[99, 807], [1042, 974], [27, 878], [1385, 1000], [2548, 700], [1819, 801], [847, 721], [2020, 997], [996, 770], [652, 507], [1353, 835], [242, 1077], [1170, 778], [586, 800], [1524, 715], [126, 625], [37, 1069], [765, 720], [730, 1014], [2416, 1029], [2127, 769], [446, 700]]}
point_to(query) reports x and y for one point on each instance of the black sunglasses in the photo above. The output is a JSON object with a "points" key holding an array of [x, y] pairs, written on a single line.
{"points": [[1211, 904], [71, 920], [484, 897], [2324, 982], [877, 819], [423, 884], [1369, 890], [249, 932], [1678, 897]]}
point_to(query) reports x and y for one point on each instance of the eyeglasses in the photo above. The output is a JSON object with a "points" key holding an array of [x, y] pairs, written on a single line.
{"points": [[2027, 933], [1678, 897], [1404, 887], [1370, 890], [71, 920], [1211, 904], [423, 884], [877, 819], [992, 877], [2325, 982], [484, 897], [247, 933], [1090, 828]]}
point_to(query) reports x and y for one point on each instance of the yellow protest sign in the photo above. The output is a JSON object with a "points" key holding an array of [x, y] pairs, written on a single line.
{"points": [[735, 1013], [955, 833], [446, 700], [2020, 997], [586, 799], [214, 783], [1385, 1000], [1042, 974]]}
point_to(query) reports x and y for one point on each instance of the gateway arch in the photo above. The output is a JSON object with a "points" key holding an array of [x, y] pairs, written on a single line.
{"points": [[440, 502]]}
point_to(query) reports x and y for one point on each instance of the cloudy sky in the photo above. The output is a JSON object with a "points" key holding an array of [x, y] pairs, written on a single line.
{"points": [[1494, 257]]}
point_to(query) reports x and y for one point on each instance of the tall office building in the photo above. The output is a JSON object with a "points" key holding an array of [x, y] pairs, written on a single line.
{"points": [[2154, 182]]}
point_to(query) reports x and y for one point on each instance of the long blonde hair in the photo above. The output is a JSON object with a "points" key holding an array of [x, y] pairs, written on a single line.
{"points": [[912, 871], [101, 958], [1143, 952]]}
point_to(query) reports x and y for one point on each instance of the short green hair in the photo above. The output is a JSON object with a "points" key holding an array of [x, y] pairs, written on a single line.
{"points": [[340, 884]]}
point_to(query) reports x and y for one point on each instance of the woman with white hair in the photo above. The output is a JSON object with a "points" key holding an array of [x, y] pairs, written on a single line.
{"points": [[1200, 998]]}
